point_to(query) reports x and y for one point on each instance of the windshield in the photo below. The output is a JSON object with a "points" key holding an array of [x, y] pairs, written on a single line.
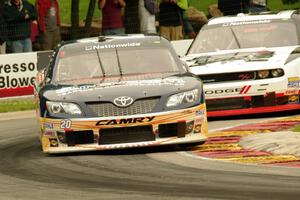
{"points": [[214, 38], [114, 62]]}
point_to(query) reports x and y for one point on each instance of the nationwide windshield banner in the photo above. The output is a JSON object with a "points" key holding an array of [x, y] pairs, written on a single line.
{"points": [[17, 74]]}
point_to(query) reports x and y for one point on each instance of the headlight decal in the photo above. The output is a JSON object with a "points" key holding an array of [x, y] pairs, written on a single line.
{"points": [[63, 108], [263, 74], [277, 72], [272, 73], [182, 98]]}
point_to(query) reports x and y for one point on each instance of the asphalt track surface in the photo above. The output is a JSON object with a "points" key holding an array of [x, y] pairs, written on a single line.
{"points": [[147, 173]]}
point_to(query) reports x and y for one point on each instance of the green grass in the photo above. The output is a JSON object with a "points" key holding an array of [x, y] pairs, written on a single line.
{"points": [[273, 5], [296, 128], [65, 10], [202, 5], [16, 105], [277, 5]]}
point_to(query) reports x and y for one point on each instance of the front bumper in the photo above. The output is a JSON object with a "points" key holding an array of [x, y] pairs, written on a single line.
{"points": [[90, 134], [251, 97], [270, 102]]}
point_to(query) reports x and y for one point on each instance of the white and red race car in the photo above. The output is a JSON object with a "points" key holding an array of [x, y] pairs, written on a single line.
{"points": [[248, 63]]}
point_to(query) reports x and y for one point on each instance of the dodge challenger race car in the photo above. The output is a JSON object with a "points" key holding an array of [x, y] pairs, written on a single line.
{"points": [[118, 92], [248, 63]]}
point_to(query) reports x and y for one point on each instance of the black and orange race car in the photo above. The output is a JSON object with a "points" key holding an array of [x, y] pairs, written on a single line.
{"points": [[118, 92]]}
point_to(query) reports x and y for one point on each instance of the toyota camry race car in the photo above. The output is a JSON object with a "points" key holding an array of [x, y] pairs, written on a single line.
{"points": [[248, 63], [118, 92]]}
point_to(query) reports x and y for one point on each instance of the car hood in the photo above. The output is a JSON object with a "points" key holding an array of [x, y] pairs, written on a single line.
{"points": [[110, 88], [239, 60]]}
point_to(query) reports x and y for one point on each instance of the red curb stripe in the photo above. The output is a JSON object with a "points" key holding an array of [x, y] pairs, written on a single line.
{"points": [[265, 126], [224, 137], [222, 141], [225, 146], [229, 154], [287, 164]]}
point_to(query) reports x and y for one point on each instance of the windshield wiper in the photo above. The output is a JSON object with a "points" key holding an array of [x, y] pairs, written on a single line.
{"points": [[100, 63], [119, 64], [236, 39]]}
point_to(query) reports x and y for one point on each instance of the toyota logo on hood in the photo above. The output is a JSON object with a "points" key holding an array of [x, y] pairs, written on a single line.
{"points": [[123, 101]]}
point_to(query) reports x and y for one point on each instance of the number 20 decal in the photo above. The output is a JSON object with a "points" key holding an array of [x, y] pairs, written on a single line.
{"points": [[66, 123]]}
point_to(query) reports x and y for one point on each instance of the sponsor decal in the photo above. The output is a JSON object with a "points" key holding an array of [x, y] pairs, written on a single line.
{"points": [[246, 76], [242, 90], [245, 89], [197, 128], [65, 124], [291, 92], [153, 82], [48, 126], [125, 121], [264, 21], [39, 78], [61, 137], [112, 46], [198, 121], [293, 82], [53, 142], [187, 112], [230, 57], [189, 127], [123, 101], [49, 133], [71, 90], [294, 99], [199, 112]]}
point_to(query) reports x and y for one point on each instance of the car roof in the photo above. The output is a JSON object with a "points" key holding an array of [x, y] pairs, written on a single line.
{"points": [[252, 17], [125, 40], [115, 41], [115, 38]]}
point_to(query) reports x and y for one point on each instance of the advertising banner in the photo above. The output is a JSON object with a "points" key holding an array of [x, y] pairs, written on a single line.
{"points": [[17, 74]]}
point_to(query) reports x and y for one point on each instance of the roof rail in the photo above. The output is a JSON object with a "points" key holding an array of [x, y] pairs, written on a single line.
{"points": [[286, 14]]}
